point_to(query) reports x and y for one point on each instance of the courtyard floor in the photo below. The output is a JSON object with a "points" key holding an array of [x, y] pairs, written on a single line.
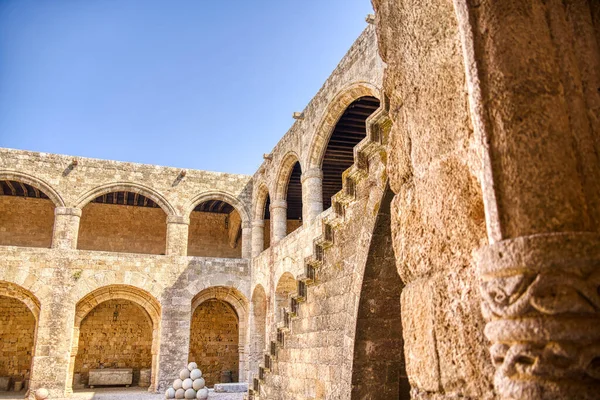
{"points": [[121, 394]]}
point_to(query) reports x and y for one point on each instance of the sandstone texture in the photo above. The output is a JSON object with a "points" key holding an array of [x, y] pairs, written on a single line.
{"points": [[459, 257]]}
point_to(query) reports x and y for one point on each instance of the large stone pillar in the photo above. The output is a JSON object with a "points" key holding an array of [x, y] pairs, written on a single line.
{"points": [[66, 227], [52, 355], [533, 71], [258, 237], [177, 235], [176, 317], [312, 194], [247, 243], [437, 213], [278, 220]]}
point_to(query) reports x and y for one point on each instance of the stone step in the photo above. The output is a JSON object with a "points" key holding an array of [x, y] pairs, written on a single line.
{"points": [[237, 387]]}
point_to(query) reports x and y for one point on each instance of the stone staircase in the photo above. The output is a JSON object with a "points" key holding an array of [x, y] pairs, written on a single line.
{"points": [[378, 126]]}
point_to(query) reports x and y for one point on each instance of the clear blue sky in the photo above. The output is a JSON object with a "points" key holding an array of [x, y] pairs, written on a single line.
{"points": [[188, 83]]}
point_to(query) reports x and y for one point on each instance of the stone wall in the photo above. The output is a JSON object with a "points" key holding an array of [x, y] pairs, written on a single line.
{"points": [[17, 339], [438, 214], [120, 228], [115, 334], [378, 367], [26, 221], [214, 340], [59, 279], [209, 236]]}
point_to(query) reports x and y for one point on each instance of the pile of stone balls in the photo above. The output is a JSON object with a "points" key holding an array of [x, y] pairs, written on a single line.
{"points": [[190, 385]]}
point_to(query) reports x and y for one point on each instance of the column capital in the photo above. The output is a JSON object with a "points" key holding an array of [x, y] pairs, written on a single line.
{"points": [[74, 211], [540, 298], [278, 204], [178, 219], [311, 173]]}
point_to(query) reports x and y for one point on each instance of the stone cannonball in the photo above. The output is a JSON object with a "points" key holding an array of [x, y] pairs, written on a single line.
{"points": [[190, 394], [202, 394], [198, 383], [187, 384], [184, 374], [192, 366], [180, 394], [177, 384], [195, 374], [41, 394], [170, 393]]}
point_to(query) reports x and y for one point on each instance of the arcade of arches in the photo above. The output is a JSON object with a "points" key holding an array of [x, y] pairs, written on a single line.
{"points": [[476, 278]]}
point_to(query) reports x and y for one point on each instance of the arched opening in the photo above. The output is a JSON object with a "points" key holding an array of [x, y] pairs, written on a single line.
{"points": [[265, 216], [258, 329], [285, 287], [123, 221], [19, 311], [26, 215], [350, 129], [378, 370], [116, 327], [294, 199], [215, 230], [115, 334], [214, 341]]}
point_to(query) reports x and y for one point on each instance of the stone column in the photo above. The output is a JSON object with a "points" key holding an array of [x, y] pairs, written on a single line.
{"points": [[247, 243], [279, 220], [177, 235], [176, 317], [66, 227], [537, 120], [52, 355], [258, 237], [312, 194]]}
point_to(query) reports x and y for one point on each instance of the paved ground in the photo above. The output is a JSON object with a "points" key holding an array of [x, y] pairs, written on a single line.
{"points": [[122, 394]]}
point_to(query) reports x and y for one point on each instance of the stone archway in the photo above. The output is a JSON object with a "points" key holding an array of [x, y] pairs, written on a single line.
{"points": [[219, 226], [124, 323], [124, 217], [261, 220], [218, 333], [288, 194], [27, 207], [378, 368], [19, 313], [286, 285]]}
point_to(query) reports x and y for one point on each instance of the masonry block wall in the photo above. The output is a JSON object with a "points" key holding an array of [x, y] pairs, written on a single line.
{"points": [[493, 178], [115, 334], [209, 235], [214, 340], [17, 339], [120, 228], [26, 221]]}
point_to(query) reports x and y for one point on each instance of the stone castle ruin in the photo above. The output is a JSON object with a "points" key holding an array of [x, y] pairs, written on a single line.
{"points": [[429, 227]]}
